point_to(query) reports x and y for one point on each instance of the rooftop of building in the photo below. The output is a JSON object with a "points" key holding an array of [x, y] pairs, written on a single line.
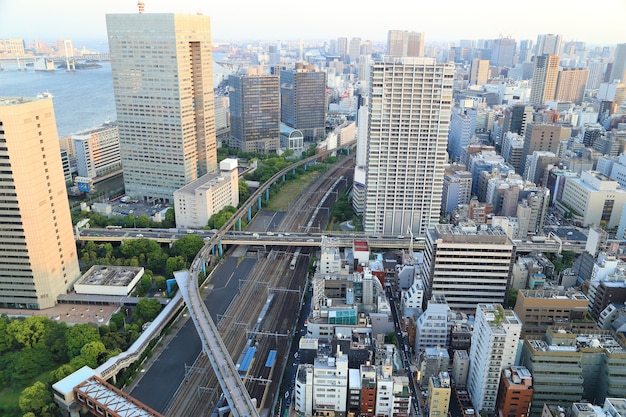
{"points": [[105, 126], [569, 294], [441, 381], [360, 245], [555, 410], [471, 232], [206, 181], [496, 315], [576, 342], [518, 375], [109, 275], [619, 404], [12, 101], [461, 354]]}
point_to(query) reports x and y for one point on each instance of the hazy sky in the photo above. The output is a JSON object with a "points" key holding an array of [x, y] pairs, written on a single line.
{"points": [[600, 22]]}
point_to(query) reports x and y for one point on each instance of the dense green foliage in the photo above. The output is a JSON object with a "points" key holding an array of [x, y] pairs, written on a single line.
{"points": [[36, 352], [97, 220], [145, 253]]}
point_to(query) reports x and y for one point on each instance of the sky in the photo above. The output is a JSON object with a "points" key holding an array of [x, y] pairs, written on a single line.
{"points": [[600, 22]]}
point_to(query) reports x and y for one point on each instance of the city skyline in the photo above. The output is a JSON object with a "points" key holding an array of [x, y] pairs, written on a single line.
{"points": [[47, 21]]}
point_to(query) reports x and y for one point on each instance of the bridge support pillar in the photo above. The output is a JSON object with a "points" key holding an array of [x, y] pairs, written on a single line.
{"points": [[259, 203], [267, 193], [219, 248], [284, 177], [293, 171], [304, 166], [249, 213], [239, 224]]}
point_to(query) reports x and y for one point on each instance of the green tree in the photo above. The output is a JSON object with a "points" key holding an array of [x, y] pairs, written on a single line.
{"points": [[118, 318], [160, 282], [175, 263], [170, 218], [6, 338], [244, 191], [512, 299], [147, 309], [34, 398], [143, 286], [187, 247], [29, 363], [61, 372], [78, 336], [92, 352], [29, 331]]}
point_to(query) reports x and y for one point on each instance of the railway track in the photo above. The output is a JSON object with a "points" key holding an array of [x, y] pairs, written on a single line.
{"points": [[199, 392]]}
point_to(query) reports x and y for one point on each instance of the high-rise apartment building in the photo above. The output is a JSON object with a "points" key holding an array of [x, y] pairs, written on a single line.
{"points": [[98, 151], [479, 71], [303, 100], [549, 44], [162, 80], [410, 101], [570, 85], [545, 75], [542, 137], [254, 112], [405, 43], [469, 264], [618, 70], [38, 260], [494, 348]]}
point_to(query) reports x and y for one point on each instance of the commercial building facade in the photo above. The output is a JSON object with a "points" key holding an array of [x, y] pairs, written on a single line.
{"points": [[469, 264], [162, 79], [39, 260], [254, 112]]}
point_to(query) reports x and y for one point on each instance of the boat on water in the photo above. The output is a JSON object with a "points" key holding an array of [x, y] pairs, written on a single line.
{"points": [[45, 94]]}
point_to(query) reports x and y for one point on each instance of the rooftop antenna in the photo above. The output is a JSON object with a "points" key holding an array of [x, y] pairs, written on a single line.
{"points": [[141, 6]]}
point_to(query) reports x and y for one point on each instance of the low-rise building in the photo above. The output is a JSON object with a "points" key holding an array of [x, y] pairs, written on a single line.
{"points": [[196, 202], [539, 309], [515, 392]]}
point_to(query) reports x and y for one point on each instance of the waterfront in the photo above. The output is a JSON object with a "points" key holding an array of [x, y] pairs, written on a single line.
{"points": [[82, 99]]}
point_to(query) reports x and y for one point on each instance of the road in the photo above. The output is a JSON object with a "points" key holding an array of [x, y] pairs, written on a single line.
{"points": [[167, 371]]}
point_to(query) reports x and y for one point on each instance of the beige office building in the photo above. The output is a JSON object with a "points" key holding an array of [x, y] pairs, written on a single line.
{"points": [[38, 260], [469, 264], [570, 85], [539, 309], [163, 84], [195, 203], [479, 72], [545, 75]]}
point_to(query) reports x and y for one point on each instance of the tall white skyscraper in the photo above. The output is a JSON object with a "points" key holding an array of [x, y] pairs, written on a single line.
{"points": [[410, 101], [494, 347], [163, 84]]}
